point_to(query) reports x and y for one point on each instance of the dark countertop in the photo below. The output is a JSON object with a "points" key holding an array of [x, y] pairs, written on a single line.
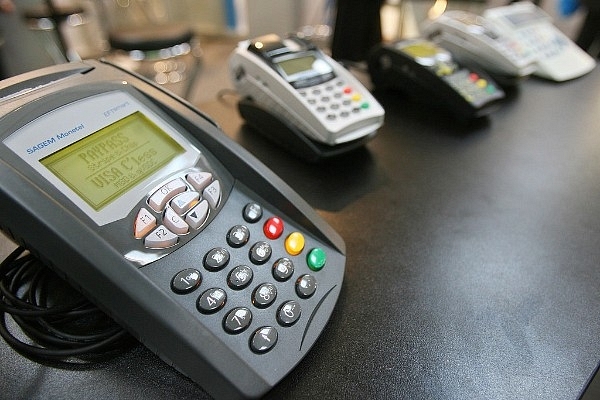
{"points": [[472, 266]]}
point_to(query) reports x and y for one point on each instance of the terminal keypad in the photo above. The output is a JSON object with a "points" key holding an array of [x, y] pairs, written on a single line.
{"points": [[263, 238]]}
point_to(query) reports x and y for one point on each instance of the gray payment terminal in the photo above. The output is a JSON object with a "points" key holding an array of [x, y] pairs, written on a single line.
{"points": [[184, 238]]}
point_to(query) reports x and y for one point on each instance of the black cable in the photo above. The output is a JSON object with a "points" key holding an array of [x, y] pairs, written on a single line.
{"points": [[58, 329]]}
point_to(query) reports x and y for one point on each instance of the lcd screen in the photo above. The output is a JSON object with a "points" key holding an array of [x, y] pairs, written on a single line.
{"points": [[525, 18], [294, 66], [421, 50], [425, 53], [106, 164]]}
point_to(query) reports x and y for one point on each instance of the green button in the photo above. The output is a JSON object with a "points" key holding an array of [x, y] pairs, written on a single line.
{"points": [[316, 259]]}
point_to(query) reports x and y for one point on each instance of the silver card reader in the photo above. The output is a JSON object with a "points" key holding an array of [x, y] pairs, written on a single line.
{"points": [[302, 99]]}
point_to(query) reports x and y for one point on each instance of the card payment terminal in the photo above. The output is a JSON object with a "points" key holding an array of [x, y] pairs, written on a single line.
{"points": [[557, 57], [428, 73], [184, 238], [302, 99], [476, 41]]}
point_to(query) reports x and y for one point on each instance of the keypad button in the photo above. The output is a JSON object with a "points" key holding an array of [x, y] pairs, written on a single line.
{"points": [[260, 253], [199, 180], [283, 269], [212, 193], [161, 238], [238, 236], [289, 313], [306, 285], [273, 228], [240, 277], [174, 222], [184, 201], [186, 281], [144, 223], [216, 259], [263, 339], [264, 295], [316, 259], [159, 199], [211, 301], [294, 243], [237, 320], [252, 212], [197, 215]]}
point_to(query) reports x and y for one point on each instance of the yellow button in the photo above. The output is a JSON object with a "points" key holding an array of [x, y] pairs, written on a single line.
{"points": [[482, 83], [356, 97], [294, 243]]}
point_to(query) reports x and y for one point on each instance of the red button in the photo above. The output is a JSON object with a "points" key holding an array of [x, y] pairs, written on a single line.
{"points": [[473, 77], [273, 228], [347, 90]]}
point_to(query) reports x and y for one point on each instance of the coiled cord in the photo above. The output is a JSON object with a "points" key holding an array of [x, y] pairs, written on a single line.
{"points": [[60, 324]]}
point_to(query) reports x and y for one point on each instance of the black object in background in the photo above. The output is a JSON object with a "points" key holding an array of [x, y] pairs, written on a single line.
{"points": [[589, 35], [357, 29]]}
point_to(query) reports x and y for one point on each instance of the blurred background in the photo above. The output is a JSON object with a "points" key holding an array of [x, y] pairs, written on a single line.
{"points": [[185, 43]]}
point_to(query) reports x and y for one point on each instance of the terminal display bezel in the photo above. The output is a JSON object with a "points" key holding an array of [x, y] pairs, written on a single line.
{"points": [[56, 131]]}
